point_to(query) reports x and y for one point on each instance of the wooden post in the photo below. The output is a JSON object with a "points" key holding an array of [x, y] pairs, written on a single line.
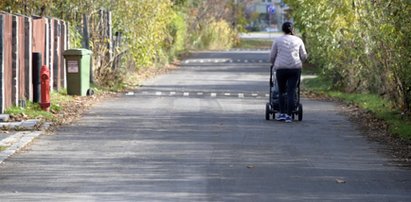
{"points": [[2, 100], [117, 43], [110, 37], [86, 36], [66, 45], [86, 42], [101, 24], [15, 61]]}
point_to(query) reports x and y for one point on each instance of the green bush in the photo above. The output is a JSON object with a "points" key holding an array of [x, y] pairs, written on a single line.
{"points": [[153, 32], [144, 25], [176, 41], [362, 46], [75, 36], [216, 35]]}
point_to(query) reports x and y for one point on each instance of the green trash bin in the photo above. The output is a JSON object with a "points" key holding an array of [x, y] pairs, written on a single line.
{"points": [[78, 63]]}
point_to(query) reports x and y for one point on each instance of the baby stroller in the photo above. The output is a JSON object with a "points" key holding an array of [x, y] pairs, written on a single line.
{"points": [[273, 105]]}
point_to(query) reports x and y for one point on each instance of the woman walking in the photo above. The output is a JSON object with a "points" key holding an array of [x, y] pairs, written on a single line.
{"points": [[287, 56]]}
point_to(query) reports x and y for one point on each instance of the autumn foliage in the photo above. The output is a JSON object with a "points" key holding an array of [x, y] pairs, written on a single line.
{"points": [[361, 45], [152, 32]]}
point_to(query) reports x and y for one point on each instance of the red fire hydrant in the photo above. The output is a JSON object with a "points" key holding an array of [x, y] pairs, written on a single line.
{"points": [[45, 88]]}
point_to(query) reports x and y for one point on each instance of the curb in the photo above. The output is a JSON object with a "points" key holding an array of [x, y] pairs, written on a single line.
{"points": [[16, 142], [28, 124]]}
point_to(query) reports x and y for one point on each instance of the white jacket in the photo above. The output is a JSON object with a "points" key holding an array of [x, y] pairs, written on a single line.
{"points": [[288, 52]]}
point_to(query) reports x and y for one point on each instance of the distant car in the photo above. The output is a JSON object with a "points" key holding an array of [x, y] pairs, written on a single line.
{"points": [[252, 28], [270, 29]]}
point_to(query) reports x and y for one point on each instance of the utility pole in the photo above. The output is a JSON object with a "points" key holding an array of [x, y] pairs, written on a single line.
{"points": [[234, 23]]}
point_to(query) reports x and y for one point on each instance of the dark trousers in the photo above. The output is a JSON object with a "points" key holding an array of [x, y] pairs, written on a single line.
{"points": [[287, 82]]}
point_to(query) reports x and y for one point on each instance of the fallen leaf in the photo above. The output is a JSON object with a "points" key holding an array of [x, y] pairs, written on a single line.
{"points": [[250, 166]]}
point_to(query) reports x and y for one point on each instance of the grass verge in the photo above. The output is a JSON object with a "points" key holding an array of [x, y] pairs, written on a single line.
{"points": [[2, 148], [382, 109], [254, 43], [31, 111], [60, 102]]}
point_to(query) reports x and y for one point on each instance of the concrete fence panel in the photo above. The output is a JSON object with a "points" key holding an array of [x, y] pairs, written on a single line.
{"points": [[7, 61], [2, 98], [20, 36]]}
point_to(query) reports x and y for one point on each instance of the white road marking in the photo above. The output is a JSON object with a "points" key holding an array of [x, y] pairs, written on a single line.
{"points": [[187, 94]]}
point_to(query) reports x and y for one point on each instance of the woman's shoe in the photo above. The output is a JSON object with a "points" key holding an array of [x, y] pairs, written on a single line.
{"points": [[281, 117], [288, 119]]}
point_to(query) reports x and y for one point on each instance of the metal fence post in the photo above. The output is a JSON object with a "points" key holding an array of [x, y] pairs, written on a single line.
{"points": [[15, 61], [28, 58], [37, 57]]}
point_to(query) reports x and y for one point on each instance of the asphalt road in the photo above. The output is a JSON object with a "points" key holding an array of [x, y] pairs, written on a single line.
{"points": [[199, 134]]}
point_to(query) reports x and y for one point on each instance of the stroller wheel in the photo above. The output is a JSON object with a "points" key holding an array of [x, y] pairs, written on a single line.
{"points": [[267, 111], [300, 112]]}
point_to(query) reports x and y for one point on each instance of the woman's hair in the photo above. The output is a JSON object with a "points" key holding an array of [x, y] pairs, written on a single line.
{"points": [[288, 28]]}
